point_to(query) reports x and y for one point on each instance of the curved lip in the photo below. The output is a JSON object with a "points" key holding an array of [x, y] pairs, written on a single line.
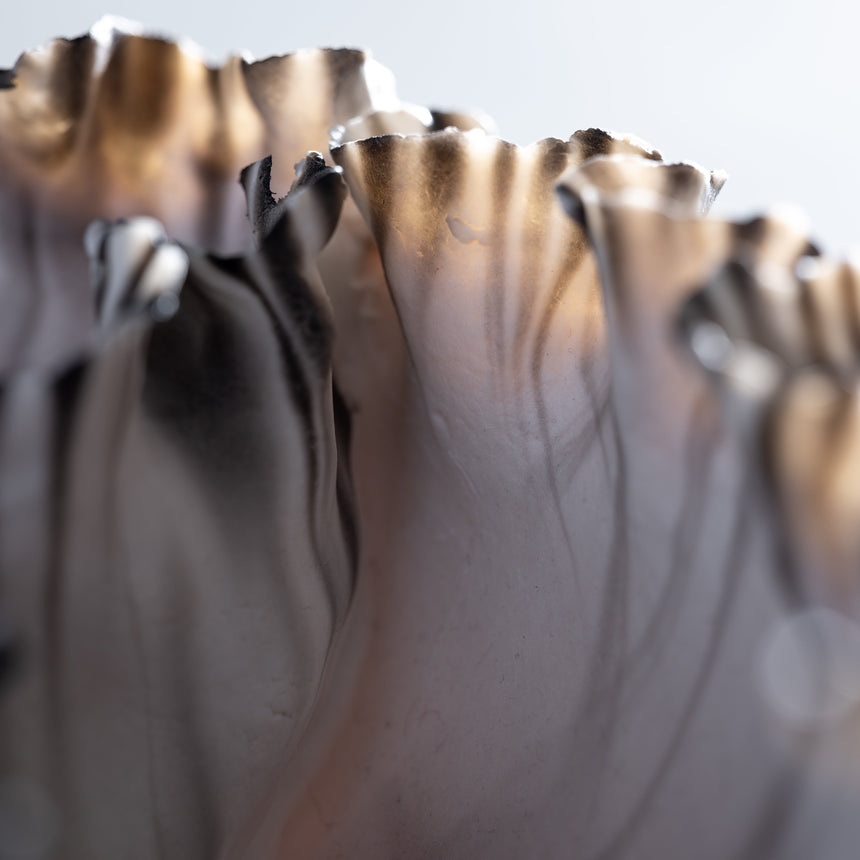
{"points": [[575, 189], [741, 361], [747, 362], [423, 115], [724, 355], [336, 141], [110, 27], [109, 32], [649, 154], [338, 132]]}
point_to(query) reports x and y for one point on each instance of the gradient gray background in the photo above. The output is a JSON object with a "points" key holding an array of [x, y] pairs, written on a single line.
{"points": [[766, 90]]}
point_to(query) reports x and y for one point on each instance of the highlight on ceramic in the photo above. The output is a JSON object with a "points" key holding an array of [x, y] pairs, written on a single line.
{"points": [[371, 487]]}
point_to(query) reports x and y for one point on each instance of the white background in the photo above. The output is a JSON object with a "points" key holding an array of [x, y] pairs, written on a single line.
{"points": [[767, 90]]}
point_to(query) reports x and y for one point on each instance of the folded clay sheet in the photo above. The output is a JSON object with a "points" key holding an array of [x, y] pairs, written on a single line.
{"points": [[470, 500]]}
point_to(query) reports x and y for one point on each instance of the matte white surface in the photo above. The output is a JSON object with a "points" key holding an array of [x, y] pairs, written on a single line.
{"points": [[768, 90]]}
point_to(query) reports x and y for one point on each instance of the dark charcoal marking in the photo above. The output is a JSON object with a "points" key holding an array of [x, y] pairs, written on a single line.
{"points": [[728, 594], [68, 394], [11, 654], [697, 309], [299, 387], [267, 82], [572, 204], [327, 189], [451, 119], [595, 141], [204, 387], [138, 85], [753, 231], [552, 159], [271, 219], [302, 391], [311, 169], [747, 293], [376, 156], [683, 183], [345, 493], [501, 180], [576, 252], [376, 170], [98, 275], [282, 254], [702, 305], [71, 79], [7, 79], [199, 385], [444, 167], [256, 180], [809, 250]]}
